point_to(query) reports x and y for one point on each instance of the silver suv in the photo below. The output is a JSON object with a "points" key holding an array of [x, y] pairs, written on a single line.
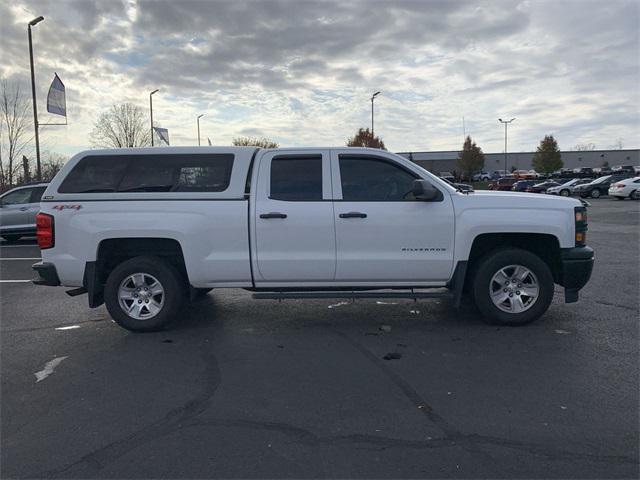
{"points": [[18, 209]]}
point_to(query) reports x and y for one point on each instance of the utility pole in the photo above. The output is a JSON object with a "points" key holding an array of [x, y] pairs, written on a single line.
{"points": [[372, 99], [33, 23], [198, 120], [151, 111], [506, 122]]}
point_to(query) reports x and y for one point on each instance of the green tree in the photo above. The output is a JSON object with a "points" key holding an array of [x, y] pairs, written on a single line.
{"points": [[254, 142], [364, 138], [547, 158], [470, 159]]}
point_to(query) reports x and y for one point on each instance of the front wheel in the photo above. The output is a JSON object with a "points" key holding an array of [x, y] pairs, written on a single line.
{"points": [[595, 193], [635, 195], [512, 287], [564, 193], [144, 293]]}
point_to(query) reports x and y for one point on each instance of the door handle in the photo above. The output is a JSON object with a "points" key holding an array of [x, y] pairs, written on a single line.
{"points": [[273, 215], [353, 215]]}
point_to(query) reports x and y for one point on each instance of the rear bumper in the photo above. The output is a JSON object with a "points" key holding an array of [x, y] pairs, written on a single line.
{"points": [[577, 265], [48, 275]]}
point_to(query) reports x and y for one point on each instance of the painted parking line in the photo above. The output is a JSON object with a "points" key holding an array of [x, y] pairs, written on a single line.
{"points": [[19, 246], [23, 258], [14, 281]]}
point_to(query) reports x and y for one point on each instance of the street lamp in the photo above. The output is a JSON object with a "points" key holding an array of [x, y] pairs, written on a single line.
{"points": [[198, 120], [372, 98], [151, 111], [33, 23], [506, 122]]}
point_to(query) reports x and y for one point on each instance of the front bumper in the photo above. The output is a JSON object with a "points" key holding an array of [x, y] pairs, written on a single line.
{"points": [[577, 265], [48, 275]]}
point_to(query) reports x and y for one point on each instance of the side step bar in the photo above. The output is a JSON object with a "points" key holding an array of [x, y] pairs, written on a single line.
{"points": [[437, 293]]}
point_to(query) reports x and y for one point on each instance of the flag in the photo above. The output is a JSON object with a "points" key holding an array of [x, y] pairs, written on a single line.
{"points": [[209, 140], [56, 98], [163, 134]]}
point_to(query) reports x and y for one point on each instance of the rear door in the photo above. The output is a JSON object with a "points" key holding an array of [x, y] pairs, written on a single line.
{"points": [[383, 234], [15, 209], [293, 215]]}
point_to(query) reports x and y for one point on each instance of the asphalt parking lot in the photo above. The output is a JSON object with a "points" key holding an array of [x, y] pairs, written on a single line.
{"points": [[254, 389]]}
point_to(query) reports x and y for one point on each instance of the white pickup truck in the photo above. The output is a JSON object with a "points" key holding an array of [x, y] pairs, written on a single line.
{"points": [[143, 230]]}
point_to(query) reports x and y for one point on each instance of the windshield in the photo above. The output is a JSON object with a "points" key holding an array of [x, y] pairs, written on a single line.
{"points": [[601, 180]]}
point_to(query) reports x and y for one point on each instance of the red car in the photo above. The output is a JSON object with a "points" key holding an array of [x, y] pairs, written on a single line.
{"points": [[504, 183]]}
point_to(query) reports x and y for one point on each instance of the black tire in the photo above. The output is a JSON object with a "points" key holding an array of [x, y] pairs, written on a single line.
{"points": [[11, 238], [565, 193], [635, 195], [200, 293], [595, 193], [618, 198], [172, 282], [491, 264]]}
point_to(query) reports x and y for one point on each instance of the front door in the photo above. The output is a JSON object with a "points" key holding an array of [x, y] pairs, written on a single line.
{"points": [[383, 234], [294, 226]]}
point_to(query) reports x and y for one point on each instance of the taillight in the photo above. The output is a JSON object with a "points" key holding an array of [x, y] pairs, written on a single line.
{"points": [[44, 231], [618, 185]]}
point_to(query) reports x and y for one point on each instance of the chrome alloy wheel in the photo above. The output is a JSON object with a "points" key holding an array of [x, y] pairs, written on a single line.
{"points": [[514, 289], [141, 296]]}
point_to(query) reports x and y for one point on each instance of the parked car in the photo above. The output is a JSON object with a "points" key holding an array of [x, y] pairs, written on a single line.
{"points": [[542, 187], [481, 177], [628, 170], [522, 185], [566, 189], [521, 174], [504, 183], [447, 176], [18, 209], [142, 230], [496, 174], [463, 187], [563, 173], [583, 172], [598, 187], [628, 188]]}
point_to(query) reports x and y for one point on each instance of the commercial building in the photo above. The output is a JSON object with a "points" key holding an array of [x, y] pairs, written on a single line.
{"points": [[437, 162]]}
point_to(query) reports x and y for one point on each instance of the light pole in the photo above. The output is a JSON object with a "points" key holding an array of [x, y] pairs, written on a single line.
{"points": [[506, 122], [33, 23], [151, 111], [198, 120], [372, 99]]}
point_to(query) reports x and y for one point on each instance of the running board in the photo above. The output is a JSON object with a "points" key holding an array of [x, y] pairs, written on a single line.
{"points": [[437, 293]]}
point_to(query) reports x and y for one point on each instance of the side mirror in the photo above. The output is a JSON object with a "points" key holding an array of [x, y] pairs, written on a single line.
{"points": [[423, 190]]}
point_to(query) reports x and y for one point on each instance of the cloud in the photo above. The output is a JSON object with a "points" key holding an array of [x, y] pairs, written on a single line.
{"points": [[302, 72]]}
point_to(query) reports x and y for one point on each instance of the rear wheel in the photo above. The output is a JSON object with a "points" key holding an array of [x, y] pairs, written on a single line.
{"points": [[595, 193], [11, 238], [635, 195], [143, 294], [564, 192], [512, 287]]}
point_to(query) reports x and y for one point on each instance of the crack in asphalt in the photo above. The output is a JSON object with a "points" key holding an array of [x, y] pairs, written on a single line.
{"points": [[453, 436], [172, 421]]}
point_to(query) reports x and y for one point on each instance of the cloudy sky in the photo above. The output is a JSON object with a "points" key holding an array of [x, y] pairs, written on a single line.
{"points": [[302, 72]]}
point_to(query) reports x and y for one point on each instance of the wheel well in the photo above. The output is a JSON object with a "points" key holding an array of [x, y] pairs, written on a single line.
{"points": [[543, 245], [114, 251]]}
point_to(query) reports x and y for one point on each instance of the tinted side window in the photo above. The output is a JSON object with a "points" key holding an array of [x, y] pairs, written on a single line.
{"points": [[296, 178], [18, 197], [36, 195], [150, 173], [373, 180], [95, 174]]}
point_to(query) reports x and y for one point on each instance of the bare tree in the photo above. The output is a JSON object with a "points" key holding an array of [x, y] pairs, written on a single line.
{"points": [[254, 142], [583, 147], [15, 130], [123, 125]]}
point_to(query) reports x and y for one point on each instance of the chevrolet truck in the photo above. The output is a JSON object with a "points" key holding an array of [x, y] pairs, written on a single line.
{"points": [[144, 230]]}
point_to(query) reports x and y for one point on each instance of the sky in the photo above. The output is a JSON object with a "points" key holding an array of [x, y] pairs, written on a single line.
{"points": [[302, 72]]}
